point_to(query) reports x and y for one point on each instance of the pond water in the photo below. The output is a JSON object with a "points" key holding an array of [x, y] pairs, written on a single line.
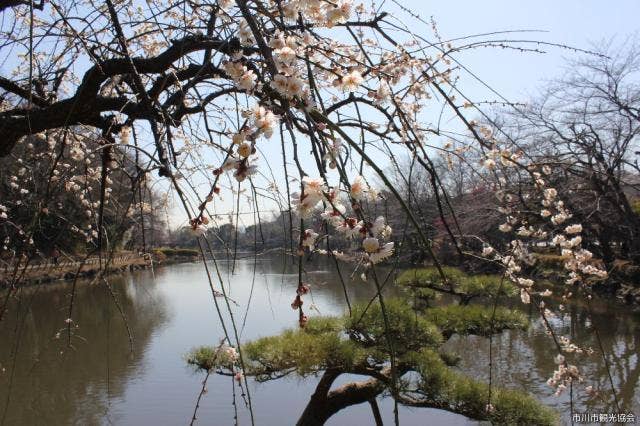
{"points": [[170, 310]]}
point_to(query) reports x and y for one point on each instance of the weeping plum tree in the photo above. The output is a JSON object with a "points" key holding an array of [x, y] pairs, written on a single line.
{"points": [[301, 105], [586, 125]]}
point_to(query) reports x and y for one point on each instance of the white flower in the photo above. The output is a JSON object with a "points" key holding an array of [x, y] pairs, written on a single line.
{"points": [[309, 238], [247, 81], [199, 230], [384, 252], [229, 164], [350, 227], [244, 150], [550, 193], [573, 229], [505, 227], [487, 251], [288, 86], [285, 55], [575, 241], [558, 240], [489, 164], [235, 70], [333, 215], [383, 93], [313, 187], [245, 34], [370, 244], [559, 218], [524, 282], [380, 228], [264, 120], [239, 137], [524, 232], [351, 81], [524, 296], [338, 13], [360, 190], [312, 194]]}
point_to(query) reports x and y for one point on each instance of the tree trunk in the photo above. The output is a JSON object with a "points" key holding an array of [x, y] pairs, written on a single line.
{"points": [[316, 412], [324, 403]]}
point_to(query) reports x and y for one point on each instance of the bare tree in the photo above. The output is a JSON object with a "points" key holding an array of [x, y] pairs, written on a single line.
{"points": [[586, 125]]}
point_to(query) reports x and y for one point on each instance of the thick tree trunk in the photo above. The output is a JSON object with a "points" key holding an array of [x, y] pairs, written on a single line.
{"points": [[324, 403], [316, 412]]}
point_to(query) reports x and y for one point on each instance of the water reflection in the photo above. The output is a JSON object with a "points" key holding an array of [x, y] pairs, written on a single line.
{"points": [[100, 382], [524, 360], [53, 384]]}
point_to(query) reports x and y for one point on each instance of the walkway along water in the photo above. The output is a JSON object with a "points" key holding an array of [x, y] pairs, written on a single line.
{"points": [[48, 271]]}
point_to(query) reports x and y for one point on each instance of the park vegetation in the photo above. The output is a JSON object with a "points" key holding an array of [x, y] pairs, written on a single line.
{"points": [[332, 115]]}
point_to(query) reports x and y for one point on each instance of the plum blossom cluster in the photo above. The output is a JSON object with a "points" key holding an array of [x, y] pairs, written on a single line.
{"points": [[62, 180], [303, 288], [227, 357], [550, 229], [564, 375], [373, 236]]}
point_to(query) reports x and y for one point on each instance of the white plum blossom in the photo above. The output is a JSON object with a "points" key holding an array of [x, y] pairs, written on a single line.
{"points": [[550, 193], [313, 190], [380, 228], [361, 191], [309, 238], [505, 227], [370, 244], [351, 81], [487, 251], [350, 227], [264, 120], [334, 214], [383, 252], [198, 230], [573, 229], [244, 150]]}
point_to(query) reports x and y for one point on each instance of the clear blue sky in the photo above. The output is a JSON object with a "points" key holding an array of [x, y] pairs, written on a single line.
{"points": [[577, 23]]}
